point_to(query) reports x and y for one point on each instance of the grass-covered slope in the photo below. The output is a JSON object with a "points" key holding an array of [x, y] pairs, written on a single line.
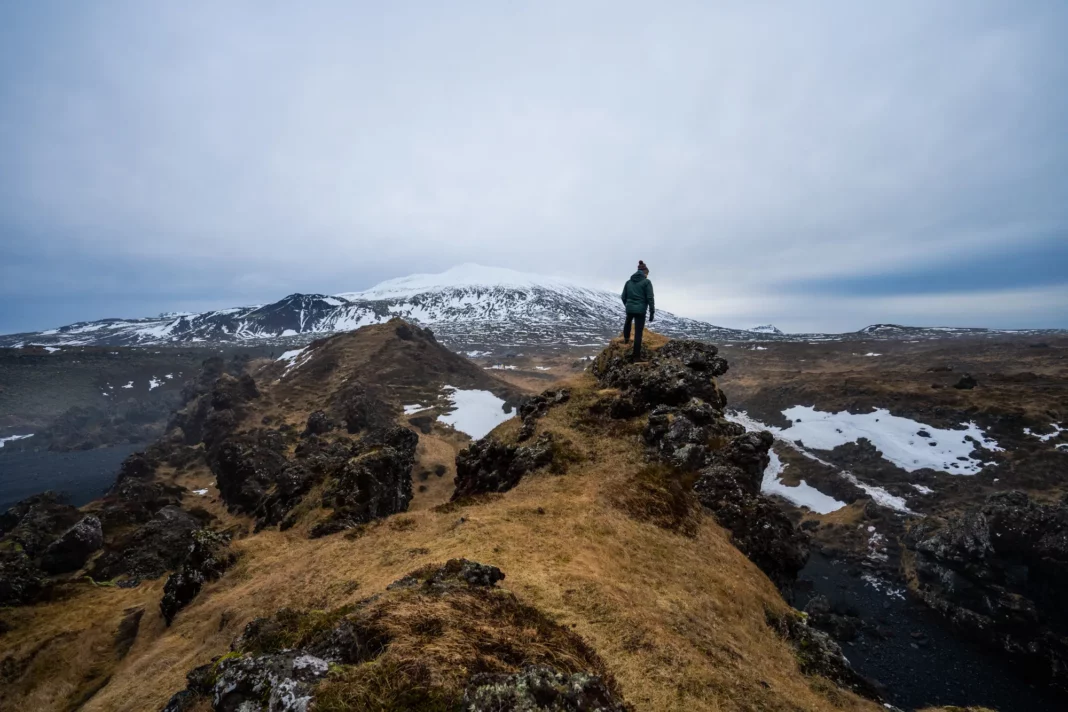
{"points": [[611, 568]]}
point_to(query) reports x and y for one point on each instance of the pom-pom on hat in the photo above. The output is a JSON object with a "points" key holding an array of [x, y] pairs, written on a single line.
{"points": [[642, 267]]}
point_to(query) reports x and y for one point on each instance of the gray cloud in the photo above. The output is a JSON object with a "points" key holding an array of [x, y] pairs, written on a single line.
{"points": [[739, 148]]}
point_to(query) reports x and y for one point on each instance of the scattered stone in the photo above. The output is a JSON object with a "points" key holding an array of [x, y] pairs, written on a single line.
{"points": [[966, 382]]}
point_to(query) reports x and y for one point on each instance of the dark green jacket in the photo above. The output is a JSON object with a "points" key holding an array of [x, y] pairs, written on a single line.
{"points": [[638, 294]]}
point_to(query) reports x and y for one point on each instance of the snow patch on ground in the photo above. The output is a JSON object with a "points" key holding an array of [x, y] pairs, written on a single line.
{"points": [[872, 353], [476, 354], [475, 412], [895, 437], [154, 383], [1057, 430], [129, 385], [295, 358], [878, 494], [922, 489], [200, 492], [500, 367], [413, 408], [543, 368], [12, 438], [803, 495]]}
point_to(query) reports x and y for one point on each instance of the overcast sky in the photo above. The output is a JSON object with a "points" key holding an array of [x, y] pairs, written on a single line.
{"points": [[818, 165]]}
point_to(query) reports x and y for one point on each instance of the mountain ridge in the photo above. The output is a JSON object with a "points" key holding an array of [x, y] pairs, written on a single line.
{"points": [[468, 306]]}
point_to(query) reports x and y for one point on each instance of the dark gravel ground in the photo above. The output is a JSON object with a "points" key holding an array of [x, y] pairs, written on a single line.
{"points": [[83, 476], [916, 657]]}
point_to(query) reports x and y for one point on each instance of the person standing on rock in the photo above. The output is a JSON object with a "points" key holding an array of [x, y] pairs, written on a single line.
{"points": [[637, 298]]}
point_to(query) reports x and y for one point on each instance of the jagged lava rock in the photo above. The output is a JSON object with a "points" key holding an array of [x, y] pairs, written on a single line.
{"points": [[489, 465], [72, 549], [672, 375], [999, 573], [157, 546], [208, 558]]}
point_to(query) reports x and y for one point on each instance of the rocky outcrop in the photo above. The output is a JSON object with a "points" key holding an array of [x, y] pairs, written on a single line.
{"points": [[376, 483], [21, 580], [361, 410], [534, 407], [318, 424], [157, 546], [489, 465], [246, 466], [673, 375], [999, 574], [966, 382], [687, 436], [540, 688], [454, 573], [35, 522], [208, 558], [730, 489], [818, 654], [378, 658], [73, 548]]}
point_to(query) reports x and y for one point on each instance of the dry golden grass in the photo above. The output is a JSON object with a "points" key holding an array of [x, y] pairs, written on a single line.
{"points": [[679, 621]]}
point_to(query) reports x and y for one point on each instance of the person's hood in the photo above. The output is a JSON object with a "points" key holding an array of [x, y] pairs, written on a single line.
{"points": [[638, 276]]}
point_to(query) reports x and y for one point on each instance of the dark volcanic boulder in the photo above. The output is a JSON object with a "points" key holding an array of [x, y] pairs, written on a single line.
{"points": [[138, 466], [684, 436], [318, 424], [375, 484], [730, 489], [157, 546], [21, 581], [966, 382], [454, 573], [675, 373], [208, 558], [539, 687], [278, 682], [362, 410], [72, 549], [230, 392], [1000, 573], [37, 521], [488, 465], [245, 467]]}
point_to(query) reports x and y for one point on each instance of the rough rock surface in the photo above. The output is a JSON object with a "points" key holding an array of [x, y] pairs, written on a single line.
{"points": [[208, 558], [157, 546], [275, 682], [684, 436], [540, 688], [21, 581], [375, 484], [245, 467], [999, 573], [488, 465], [454, 573], [672, 375], [534, 407], [730, 489], [318, 424], [36, 522], [818, 654], [72, 549]]}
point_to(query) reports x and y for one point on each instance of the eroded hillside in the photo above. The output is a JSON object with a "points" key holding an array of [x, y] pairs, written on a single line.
{"points": [[297, 540]]}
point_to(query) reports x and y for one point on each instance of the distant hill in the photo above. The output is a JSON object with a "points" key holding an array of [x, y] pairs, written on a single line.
{"points": [[469, 307]]}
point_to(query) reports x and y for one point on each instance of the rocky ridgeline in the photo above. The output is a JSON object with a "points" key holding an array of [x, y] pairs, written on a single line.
{"points": [[375, 658], [999, 573], [686, 430]]}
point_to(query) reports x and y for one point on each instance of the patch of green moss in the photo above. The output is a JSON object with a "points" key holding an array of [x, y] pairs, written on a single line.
{"points": [[288, 628]]}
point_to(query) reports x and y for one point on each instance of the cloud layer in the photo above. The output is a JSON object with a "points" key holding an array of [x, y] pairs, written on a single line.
{"points": [[819, 165]]}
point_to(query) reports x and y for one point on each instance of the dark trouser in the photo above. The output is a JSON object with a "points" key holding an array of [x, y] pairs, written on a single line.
{"points": [[639, 327]]}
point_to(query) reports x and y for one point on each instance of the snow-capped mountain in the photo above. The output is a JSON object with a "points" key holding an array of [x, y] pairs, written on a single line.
{"points": [[469, 307]]}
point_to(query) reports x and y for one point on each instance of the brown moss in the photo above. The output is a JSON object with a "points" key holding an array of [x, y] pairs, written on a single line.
{"points": [[662, 496]]}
